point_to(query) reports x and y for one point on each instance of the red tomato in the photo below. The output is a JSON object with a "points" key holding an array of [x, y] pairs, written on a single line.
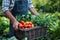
{"points": [[25, 26], [20, 25], [22, 22], [29, 26]]}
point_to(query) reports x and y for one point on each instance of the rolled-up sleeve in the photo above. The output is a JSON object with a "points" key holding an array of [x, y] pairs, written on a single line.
{"points": [[30, 3], [5, 5]]}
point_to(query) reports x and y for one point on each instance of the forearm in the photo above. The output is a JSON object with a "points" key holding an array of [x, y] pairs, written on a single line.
{"points": [[33, 11], [10, 16]]}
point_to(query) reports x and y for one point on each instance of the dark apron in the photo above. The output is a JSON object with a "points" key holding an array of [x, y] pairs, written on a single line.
{"points": [[20, 8]]}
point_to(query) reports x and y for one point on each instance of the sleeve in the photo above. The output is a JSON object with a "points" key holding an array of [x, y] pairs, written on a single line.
{"points": [[30, 3], [5, 5]]}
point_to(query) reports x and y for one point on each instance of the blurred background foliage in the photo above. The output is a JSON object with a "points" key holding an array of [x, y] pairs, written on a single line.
{"points": [[0, 6], [47, 5]]}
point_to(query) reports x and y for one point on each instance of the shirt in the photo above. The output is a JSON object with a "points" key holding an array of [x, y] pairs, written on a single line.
{"points": [[8, 5]]}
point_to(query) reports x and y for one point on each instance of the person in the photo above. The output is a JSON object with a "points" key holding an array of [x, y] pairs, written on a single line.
{"points": [[13, 8]]}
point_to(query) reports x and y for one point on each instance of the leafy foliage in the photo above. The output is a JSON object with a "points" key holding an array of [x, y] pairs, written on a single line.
{"points": [[4, 23], [47, 5]]}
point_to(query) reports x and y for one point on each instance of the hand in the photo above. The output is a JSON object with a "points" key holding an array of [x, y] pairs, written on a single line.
{"points": [[15, 25]]}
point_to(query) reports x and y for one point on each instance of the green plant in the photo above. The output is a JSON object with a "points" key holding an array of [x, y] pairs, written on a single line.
{"points": [[47, 5], [4, 23]]}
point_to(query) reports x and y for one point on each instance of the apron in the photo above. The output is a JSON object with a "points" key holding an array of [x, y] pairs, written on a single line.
{"points": [[20, 8]]}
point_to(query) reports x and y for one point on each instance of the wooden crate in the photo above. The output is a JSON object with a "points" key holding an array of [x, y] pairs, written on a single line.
{"points": [[32, 33]]}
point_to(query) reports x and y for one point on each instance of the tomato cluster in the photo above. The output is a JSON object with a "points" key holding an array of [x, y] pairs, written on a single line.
{"points": [[26, 25]]}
